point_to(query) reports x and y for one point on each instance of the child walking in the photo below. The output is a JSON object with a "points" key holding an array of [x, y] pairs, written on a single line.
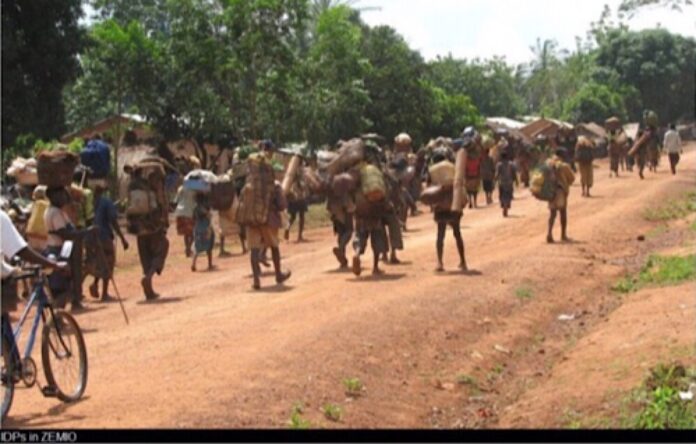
{"points": [[203, 234], [506, 176]]}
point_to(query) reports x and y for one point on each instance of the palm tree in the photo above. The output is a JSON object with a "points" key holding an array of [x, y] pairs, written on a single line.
{"points": [[320, 6]]}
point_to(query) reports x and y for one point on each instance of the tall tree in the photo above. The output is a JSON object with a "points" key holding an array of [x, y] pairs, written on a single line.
{"points": [[397, 94], [660, 66], [489, 83], [336, 100], [40, 42]]}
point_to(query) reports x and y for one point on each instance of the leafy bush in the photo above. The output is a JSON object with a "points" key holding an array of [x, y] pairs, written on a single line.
{"points": [[660, 406]]}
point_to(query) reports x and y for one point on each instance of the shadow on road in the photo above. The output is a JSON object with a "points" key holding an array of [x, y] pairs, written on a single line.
{"points": [[45, 420], [387, 277], [161, 301]]}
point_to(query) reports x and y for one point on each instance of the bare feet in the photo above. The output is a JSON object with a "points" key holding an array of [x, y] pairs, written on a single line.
{"points": [[283, 277], [463, 267], [340, 257], [440, 268], [357, 269], [377, 272], [93, 291], [549, 239]]}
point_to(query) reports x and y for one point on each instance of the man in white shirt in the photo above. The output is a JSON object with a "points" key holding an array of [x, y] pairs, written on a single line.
{"points": [[12, 244], [673, 146]]}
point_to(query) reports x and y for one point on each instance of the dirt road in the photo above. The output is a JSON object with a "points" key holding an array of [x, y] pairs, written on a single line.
{"points": [[215, 354]]}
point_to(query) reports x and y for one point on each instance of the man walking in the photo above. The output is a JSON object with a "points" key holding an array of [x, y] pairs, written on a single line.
{"points": [[673, 146], [565, 178]]}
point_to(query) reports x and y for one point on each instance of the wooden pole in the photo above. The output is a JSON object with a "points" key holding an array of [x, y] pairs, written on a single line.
{"points": [[459, 191]]}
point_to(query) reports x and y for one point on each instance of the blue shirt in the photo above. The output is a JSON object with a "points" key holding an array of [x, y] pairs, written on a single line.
{"points": [[105, 215]]}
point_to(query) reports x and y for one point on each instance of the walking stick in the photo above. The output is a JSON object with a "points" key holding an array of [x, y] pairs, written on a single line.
{"points": [[102, 259]]}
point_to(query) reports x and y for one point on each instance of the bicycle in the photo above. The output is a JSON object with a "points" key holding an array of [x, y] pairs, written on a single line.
{"points": [[62, 347]]}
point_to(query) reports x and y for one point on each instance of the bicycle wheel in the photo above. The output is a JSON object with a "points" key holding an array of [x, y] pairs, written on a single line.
{"points": [[64, 356], [6, 374]]}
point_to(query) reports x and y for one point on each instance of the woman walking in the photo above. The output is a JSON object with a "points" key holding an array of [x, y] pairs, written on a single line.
{"points": [[203, 234]]}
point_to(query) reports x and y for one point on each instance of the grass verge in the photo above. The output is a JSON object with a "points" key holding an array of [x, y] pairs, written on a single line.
{"points": [[673, 209], [657, 404], [660, 271]]}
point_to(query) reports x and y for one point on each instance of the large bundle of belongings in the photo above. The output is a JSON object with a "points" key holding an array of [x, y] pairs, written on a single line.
{"points": [[97, 157], [147, 207], [55, 168], [348, 171], [544, 184], [442, 171], [584, 149], [255, 197], [24, 171], [402, 143]]}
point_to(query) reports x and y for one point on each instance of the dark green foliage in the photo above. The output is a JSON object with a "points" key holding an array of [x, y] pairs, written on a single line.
{"points": [[660, 65], [40, 41]]}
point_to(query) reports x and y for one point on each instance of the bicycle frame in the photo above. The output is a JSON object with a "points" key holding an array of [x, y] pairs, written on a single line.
{"points": [[38, 298]]}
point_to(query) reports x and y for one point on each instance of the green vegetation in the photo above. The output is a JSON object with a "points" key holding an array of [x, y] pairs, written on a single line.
{"points": [[657, 405], [657, 231], [317, 217], [209, 70], [469, 381], [672, 210], [661, 271], [332, 412], [524, 293], [353, 386], [296, 421]]}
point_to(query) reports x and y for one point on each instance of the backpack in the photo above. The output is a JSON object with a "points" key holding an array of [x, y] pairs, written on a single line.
{"points": [[372, 183], [144, 209], [257, 193], [97, 157], [544, 182]]}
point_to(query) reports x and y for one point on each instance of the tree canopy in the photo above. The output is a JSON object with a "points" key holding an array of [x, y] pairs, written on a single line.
{"points": [[301, 70]]}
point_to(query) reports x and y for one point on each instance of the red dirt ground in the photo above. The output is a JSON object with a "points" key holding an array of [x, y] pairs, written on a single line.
{"points": [[214, 354]]}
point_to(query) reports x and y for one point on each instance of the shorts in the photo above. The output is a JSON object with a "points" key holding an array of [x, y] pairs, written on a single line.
{"points": [[378, 241], [447, 217], [299, 206], [505, 195], [560, 202], [488, 185], [262, 237], [184, 226]]}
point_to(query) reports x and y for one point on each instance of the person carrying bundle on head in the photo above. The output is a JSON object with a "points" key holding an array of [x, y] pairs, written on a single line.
{"points": [[203, 234], [584, 157], [371, 206], [439, 195], [297, 203], [148, 218], [260, 207], [488, 169], [558, 180]]}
